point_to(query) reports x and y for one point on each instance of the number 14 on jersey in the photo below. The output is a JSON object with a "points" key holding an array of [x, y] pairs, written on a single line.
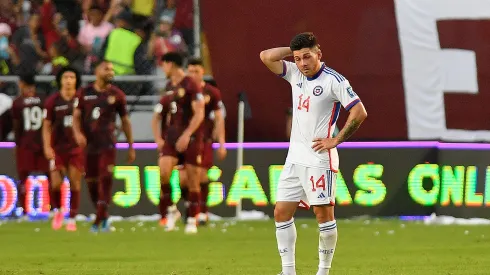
{"points": [[304, 104]]}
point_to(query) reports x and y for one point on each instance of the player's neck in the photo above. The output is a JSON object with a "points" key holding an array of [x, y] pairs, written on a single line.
{"points": [[100, 86], [316, 70], [29, 92], [177, 77], [67, 94]]}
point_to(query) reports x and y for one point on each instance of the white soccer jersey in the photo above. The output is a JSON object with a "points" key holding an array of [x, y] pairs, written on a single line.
{"points": [[316, 107]]}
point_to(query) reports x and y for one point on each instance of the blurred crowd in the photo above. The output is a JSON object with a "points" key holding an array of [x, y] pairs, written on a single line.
{"points": [[42, 36]]}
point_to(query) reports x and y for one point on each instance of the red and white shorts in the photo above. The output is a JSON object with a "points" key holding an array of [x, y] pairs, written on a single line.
{"points": [[306, 185]]}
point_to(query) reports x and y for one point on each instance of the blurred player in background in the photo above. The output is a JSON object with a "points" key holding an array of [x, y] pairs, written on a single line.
{"points": [[309, 174], [94, 123], [60, 148], [183, 135], [214, 128], [27, 114]]}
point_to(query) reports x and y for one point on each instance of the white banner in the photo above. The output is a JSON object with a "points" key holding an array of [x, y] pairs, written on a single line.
{"points": [[429, 71]]}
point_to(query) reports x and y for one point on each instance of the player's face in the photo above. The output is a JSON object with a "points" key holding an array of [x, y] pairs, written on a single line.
{"points": [[69, 80], [106, 71], [167, 68], [308, 60], [196, 72], [25, 89]]}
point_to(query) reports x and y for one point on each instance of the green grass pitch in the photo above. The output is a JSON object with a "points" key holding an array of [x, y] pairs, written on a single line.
{"points": [[374, 247]]}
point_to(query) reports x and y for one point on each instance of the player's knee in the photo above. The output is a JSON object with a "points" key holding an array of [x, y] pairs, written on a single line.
{"points": [[324, 213], [204, 177], [164, 178], [75, 185], [282, 213], [105, 178], [56, 180]]}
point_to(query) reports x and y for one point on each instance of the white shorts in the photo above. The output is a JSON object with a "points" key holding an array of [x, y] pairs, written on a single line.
{"points": [[306, 185]]}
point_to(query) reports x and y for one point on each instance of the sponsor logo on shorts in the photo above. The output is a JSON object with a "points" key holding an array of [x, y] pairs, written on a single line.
{"points": [[321, 196]]}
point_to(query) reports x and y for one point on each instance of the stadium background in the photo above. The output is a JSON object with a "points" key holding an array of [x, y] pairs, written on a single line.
{"points": [[365, 44]]}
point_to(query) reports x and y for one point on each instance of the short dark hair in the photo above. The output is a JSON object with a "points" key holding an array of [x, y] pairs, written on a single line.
{"points": [[303, 40], [173, 57], [196, 62], [68, 69], [95, 7], [28, 79], [99, 61], [212, 82]]}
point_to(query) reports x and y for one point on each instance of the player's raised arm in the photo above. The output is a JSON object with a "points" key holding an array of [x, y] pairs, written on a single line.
{"points": [[272, 58], [127, 129], [219, 129], [77, 122], [126, 126], [16, 125], [357, 114], [159, 112], [196, 120], [155, 127], [47, 130]]}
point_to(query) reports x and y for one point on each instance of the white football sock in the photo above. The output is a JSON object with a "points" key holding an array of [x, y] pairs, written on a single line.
{"points": [[286, 243], [326, 246]]}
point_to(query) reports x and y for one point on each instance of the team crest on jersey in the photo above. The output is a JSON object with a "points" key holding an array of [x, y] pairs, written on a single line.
{"points": [[181, 92], [318, 90], [207, 98], [111, 99], [351, 92]]}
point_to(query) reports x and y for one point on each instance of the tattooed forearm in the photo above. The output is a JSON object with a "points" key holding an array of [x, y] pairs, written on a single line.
{"points": [[349, 129]]}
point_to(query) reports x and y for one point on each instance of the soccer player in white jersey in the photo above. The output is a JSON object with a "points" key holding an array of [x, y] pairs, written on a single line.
{"points": [[309, 174]]}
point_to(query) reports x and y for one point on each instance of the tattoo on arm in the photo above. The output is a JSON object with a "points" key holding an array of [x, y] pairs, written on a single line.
{"points": [[348, 130]]}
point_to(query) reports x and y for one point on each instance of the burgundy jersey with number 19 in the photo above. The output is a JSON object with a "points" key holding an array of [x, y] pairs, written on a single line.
{"points": [[28, 112], [99, 110]]}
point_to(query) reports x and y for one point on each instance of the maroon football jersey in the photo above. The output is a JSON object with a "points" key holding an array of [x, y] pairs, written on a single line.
{"points": [[181, 108], [60, 113], [28, 113], [212, 99], [99, 110]]}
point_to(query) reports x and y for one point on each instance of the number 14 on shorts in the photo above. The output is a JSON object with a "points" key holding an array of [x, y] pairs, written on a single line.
{"points": [[320, 183]]}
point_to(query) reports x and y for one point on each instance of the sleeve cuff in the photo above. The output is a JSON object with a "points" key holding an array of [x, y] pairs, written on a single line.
{"points": [[284, 69], [352, 104]]}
